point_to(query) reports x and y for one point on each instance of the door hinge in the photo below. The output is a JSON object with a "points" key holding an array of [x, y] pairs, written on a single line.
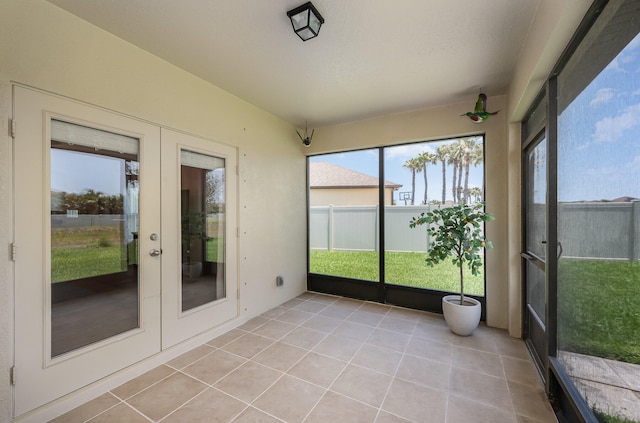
{"points": [[14, 252], [12, 375], [12, 127]]}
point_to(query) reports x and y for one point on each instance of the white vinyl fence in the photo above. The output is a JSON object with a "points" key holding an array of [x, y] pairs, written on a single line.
{"points": [[593, 230]]}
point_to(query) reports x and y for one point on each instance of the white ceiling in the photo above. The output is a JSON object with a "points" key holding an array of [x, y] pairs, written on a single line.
{"points": [[372, 57]]}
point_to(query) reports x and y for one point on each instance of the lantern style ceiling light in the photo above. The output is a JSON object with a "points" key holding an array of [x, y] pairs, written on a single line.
{"points": [[306, 21]]}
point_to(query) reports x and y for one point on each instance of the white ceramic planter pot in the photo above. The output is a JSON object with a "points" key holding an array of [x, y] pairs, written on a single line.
{"points": [[462, 319]]}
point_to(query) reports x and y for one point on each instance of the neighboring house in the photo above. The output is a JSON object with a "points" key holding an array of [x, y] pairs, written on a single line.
{"points": [[339, 186]]}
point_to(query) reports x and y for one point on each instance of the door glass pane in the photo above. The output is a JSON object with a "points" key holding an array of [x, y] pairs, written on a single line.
{"points": [[536, 226], [343, 215], [94, 231], [536, 199], [426, 176], [599, 214], [203, 228]]}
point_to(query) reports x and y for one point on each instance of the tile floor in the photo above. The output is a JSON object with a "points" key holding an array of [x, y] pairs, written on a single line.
{"points": [[320, 358]]}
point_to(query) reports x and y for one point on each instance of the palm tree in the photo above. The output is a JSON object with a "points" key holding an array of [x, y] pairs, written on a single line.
{"points": [[469, 149], [442, 155], [454, 159], [476, 192], [426, 158], [413, 165]]}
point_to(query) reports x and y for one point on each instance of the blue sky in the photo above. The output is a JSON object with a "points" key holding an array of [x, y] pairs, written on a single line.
{"points": [[599, 134], [75, 172]]}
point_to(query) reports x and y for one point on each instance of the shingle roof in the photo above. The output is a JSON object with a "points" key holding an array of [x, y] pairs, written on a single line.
{"points": [[328, 175]]}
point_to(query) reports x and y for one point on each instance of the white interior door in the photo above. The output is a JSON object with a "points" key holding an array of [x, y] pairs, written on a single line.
{"points": [[87, 206], [101, 280], [199, 265]]}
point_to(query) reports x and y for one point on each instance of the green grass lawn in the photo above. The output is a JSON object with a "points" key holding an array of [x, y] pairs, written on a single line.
{"points": [[408, 269], [599, 308], [82, 262]]}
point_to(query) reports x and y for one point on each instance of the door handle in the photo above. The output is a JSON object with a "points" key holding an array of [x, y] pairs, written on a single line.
{"points": [[155, 253]]}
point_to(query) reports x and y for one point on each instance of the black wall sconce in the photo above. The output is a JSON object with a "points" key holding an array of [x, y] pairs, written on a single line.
{"points": [[306, 21]]}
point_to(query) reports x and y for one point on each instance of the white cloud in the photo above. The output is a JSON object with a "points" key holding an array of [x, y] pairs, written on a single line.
{"points": [[610, 129], [602, 96], [408, 151]]}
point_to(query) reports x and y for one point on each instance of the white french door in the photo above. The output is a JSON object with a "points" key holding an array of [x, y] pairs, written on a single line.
{"points": [[105, 243], [199, 267]]}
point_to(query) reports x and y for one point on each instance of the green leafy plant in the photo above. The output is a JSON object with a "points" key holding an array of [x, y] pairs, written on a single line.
{"points": [[456, 232]]}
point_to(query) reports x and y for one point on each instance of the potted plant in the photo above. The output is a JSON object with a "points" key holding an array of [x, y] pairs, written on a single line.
{"points": [[457, 232]]}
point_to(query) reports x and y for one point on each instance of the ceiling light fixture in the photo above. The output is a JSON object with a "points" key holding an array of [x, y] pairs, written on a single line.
{"points": [[306, 21]]}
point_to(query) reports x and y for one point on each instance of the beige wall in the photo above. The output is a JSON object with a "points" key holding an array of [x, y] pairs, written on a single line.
{"points": [[47, 48], [348, 196]]}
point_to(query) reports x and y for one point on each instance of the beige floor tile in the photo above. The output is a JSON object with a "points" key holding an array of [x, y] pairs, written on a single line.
{"points": [[251, 415], [280, 356], [292, 303], [478, 361], [336, 361], [321, 298], [226, 338], [166, 396], [336, 311], [531, 402], [435, 331], [462, 410], [415, 403], [274, 329], [433, 350], [354, 331], [318, 369], [120, 413], [88, 410], [143, 381], [405, 313], [248, 381], [513, 347], [248, 345], [322, 323], [384, 417], [388, 339], [275, 312], [362, 384], [476, 341], [253, 323], [340, 348], [310, 307], [382, 360], [295, 317], [424, 372], [337, 408], [214, 366], [366, 318], [395, 324], [521, 371], [210, 406], [277, 400], [480, 387], [190, 356], [375, 308], [304, 338]]}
